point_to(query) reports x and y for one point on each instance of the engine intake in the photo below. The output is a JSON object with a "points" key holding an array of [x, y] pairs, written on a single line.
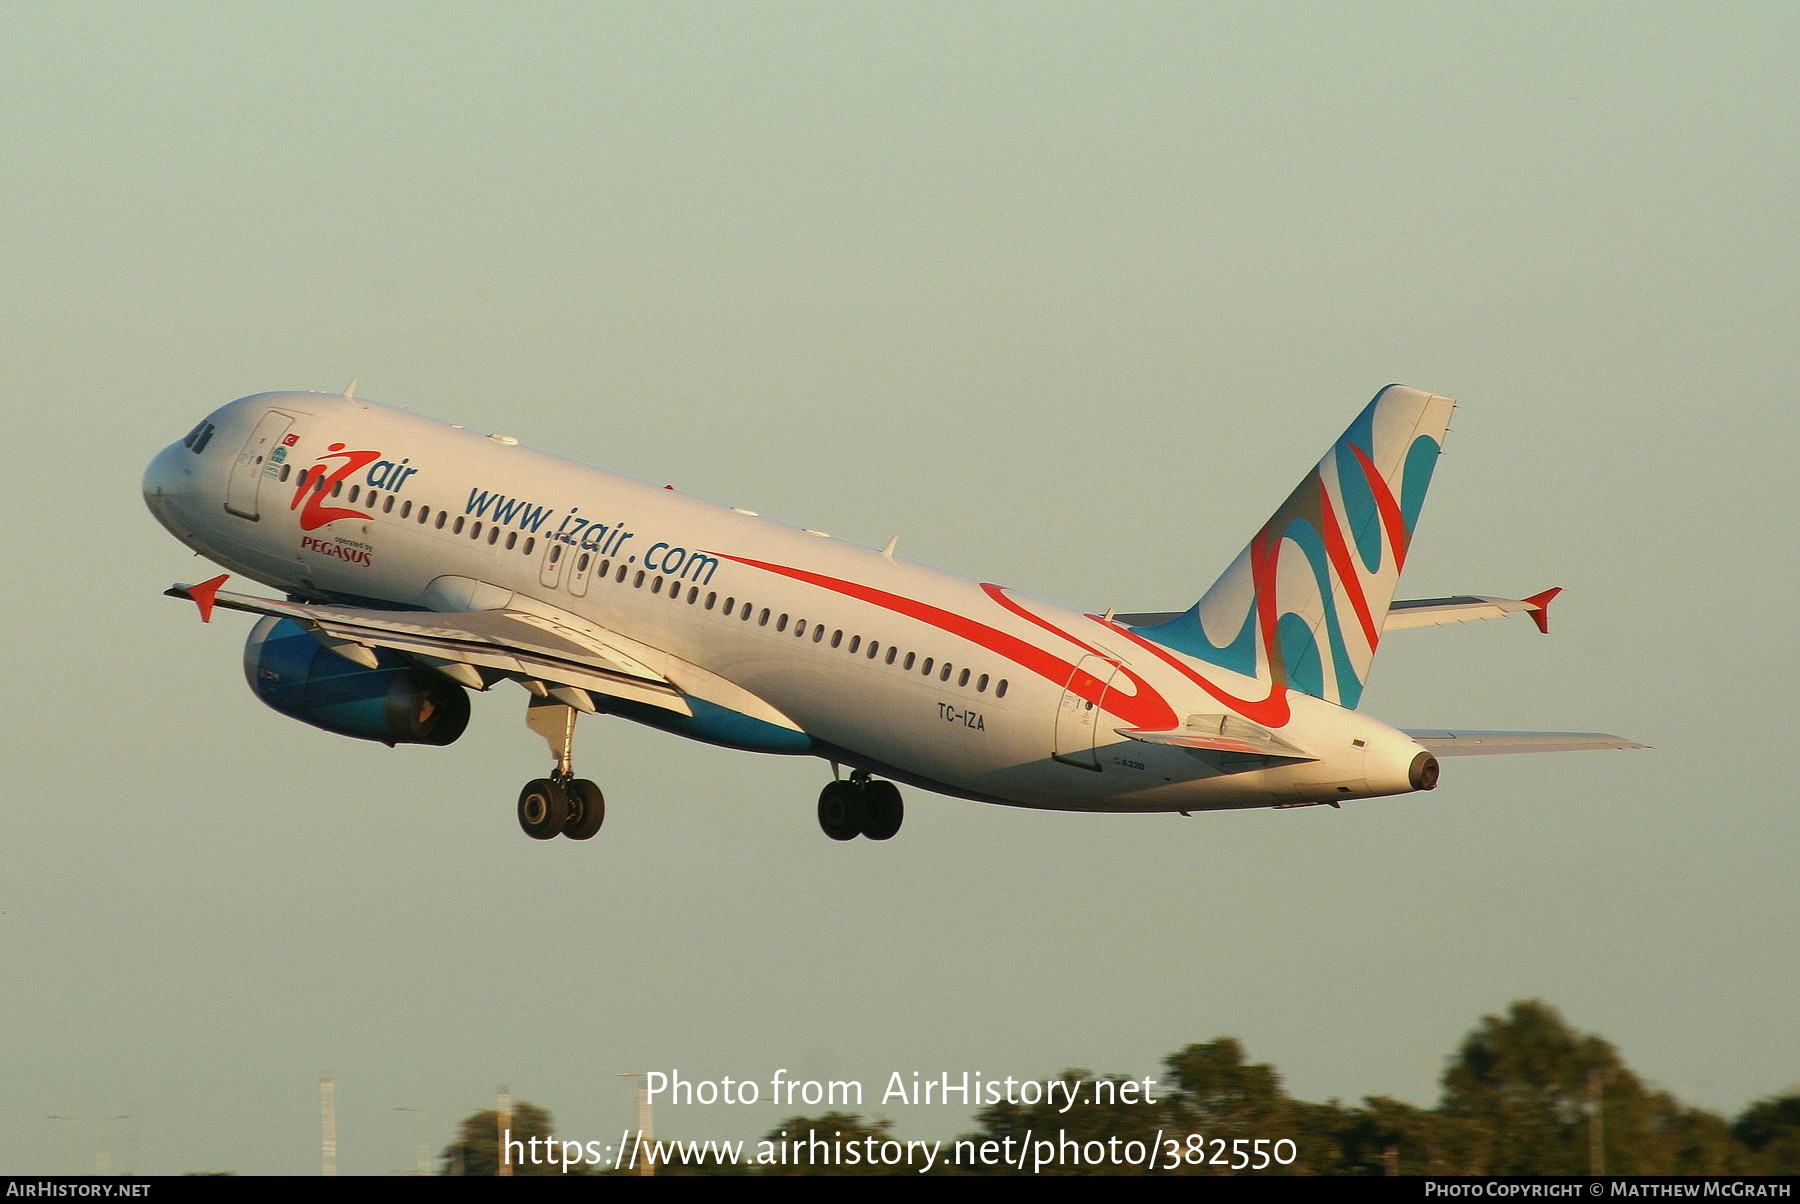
{"points": [[393, 703]]}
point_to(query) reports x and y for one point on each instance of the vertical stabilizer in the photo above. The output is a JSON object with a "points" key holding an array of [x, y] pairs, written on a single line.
{"points": [[1302, 606]]}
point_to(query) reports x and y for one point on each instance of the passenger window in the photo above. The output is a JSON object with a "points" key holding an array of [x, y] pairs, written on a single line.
{"points": [[693, 593], [1000, 690], [387, 505], [637, 582], [837, 637], [945, 675], [405, 509], [762, 620], [710, 599], [457, 526], [512, 540], [493, 536], [530, 543], [605, 568], [555, 550], [981, 684], [337, 488], [855, 640], [746, 612], [285, 469], [818, 632], [890, 655], [908, 663], [781, 624], [475, 531], [623, 569], [656, 585], [442, 514]]}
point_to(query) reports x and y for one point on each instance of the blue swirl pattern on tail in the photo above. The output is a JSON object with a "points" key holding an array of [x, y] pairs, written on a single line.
{"points": [[1302, 606]]}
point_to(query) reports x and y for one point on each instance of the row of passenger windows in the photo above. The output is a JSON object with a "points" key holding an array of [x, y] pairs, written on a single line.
{"points": [[374, 499], [744, 612], [853, 645]]}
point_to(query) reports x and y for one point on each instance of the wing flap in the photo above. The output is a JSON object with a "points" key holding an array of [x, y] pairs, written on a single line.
{"points": [[1464, 743]]}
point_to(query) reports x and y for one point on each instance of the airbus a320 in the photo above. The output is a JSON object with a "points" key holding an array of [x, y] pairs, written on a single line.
{"points": [[418, 561]]}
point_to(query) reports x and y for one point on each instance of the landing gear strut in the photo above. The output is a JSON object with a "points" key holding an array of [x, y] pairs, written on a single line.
{"points": [[861, 806], [561, 804]]}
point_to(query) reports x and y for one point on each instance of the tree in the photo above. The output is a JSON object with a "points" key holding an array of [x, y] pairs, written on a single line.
{"points": [[1559, 1102], [1531, 1080], [1099, 1114], [1387, 1137], [1221, 1097], [836, 1143], [476, 1150], [1770, 1132]]}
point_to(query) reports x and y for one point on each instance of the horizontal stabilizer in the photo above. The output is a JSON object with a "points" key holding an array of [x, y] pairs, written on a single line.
{"points": [[1222, 733], [1431, 612], [1481, 744], [1422, 612]]}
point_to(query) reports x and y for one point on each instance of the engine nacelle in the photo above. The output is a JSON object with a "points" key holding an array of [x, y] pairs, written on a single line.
{"points": [[394, 703]]}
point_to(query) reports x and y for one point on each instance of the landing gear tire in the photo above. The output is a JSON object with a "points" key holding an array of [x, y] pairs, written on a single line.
{"points": [[543, 808], [841, 811], [587, 809], [882, 810]]}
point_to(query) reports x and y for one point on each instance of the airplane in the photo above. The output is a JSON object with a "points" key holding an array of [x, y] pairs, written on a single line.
{"points": [[418, 561]]}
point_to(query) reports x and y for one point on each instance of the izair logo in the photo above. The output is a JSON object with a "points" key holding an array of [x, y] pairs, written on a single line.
{"points": [[323, 480]]}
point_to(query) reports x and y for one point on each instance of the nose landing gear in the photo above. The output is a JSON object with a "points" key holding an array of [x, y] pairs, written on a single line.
{"points": [[561, 804], [861, 806]]}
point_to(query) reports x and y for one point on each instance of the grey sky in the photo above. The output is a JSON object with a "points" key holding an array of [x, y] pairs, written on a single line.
{"points": [[1067, 295]]}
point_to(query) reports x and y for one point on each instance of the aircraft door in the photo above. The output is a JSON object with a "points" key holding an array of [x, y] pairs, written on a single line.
{"points": [[253, 463], [580, 572], [555, 552], [1077, 719]]}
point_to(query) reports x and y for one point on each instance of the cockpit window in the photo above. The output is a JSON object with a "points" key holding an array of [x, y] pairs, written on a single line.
{"points": [[194, 434], [199, 437]]}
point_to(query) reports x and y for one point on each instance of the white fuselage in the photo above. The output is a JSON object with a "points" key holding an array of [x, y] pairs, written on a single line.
{"points": [[769, 626]]}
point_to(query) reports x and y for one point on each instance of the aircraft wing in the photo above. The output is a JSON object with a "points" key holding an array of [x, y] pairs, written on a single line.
{"points": [[471, 648], [1479, 744]]}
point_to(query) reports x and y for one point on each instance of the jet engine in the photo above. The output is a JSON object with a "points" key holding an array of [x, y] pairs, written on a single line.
{"points": [[394, 703]]}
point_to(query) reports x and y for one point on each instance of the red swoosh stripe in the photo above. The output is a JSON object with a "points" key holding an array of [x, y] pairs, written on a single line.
{"points": [[1145, 709], [1339, 553], [1391, 518]]}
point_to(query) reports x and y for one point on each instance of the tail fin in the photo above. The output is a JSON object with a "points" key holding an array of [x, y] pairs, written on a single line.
{"points": [[1302, 606]]}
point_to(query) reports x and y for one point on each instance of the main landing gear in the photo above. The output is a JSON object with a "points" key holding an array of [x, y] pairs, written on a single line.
{"points": [[561, 804], [861, 806], [550, 807]]}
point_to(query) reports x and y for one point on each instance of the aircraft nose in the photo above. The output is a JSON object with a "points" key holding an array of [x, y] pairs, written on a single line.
{"points": [[168, 480]]}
